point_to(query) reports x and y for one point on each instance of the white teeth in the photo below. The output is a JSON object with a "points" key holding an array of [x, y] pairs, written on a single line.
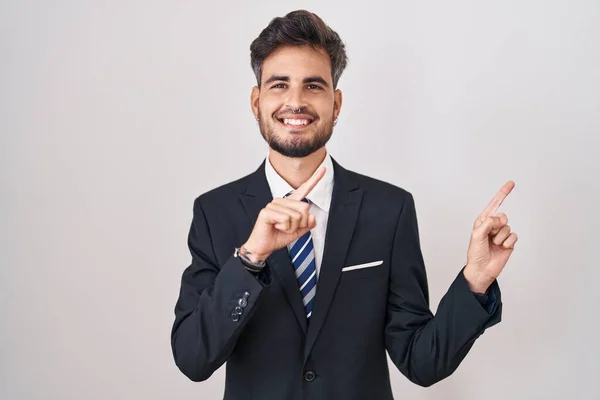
{"points": [[296, 121]]}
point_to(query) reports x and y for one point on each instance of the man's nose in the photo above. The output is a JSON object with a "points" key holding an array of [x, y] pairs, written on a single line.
{"points": [[295, 98]]}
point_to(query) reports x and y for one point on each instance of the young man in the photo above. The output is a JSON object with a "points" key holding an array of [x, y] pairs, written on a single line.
{"points": [[304, 273]]}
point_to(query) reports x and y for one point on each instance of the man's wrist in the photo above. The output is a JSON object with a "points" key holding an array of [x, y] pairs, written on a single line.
{"points": [[254, 266], [252, 255], [476, 283]]}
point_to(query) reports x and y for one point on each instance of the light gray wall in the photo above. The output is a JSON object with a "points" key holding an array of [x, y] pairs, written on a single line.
{"points": [[115, 115]]}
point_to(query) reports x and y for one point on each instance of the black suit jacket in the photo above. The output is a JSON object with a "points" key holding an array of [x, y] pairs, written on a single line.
{"points": [[257, 325]]}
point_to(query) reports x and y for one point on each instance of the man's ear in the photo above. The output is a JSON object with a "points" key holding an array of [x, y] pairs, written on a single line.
{"points": [[254, 96], [337, 103]]}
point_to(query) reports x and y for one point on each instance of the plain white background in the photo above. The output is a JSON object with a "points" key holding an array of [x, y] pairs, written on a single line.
{"points": [[115, 115]]}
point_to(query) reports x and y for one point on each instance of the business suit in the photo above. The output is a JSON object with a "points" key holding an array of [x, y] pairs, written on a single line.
{"points": [[257, 323]]}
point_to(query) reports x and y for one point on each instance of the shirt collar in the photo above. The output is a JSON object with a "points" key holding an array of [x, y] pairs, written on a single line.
{"points": [[321, 193]]}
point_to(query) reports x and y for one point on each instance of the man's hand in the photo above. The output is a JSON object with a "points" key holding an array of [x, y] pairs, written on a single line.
{"points": [[282, 221], [491, 244]]}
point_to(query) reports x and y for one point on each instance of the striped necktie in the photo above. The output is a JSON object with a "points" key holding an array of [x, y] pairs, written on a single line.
{"points": [[303, 257]]}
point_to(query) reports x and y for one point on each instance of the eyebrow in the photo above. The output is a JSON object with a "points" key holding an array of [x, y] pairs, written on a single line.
{"points": [[310, 79], [316, 79]]}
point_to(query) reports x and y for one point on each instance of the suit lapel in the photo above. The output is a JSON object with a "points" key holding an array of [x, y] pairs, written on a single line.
{"points": [[345, 205], [255, 198]]}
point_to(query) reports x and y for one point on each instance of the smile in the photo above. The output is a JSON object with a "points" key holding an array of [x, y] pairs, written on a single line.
{"points": [[295, 123]]}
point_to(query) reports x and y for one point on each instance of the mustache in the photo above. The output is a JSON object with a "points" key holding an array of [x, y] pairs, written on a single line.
{"points": [[297, 110]]}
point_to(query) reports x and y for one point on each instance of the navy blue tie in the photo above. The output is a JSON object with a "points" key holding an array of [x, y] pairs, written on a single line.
{"points": [[303, 257]]}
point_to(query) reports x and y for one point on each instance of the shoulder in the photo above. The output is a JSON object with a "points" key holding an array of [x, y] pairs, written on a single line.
{"points": [[219, 196], [378, 189]]}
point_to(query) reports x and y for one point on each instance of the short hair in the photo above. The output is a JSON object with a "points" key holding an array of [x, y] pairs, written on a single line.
{"points": [[299, 28]]}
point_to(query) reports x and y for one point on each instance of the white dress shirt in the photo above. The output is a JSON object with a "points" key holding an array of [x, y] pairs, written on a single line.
{"points": [[320, 200]]}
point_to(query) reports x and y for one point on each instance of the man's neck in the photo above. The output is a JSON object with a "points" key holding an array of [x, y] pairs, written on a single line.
{"points": [[296, 171]]}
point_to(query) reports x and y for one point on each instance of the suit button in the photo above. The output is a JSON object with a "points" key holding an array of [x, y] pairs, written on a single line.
{"points": [[246, 295], [238, 310], [242, 302], [235, 317], [309, 376]]}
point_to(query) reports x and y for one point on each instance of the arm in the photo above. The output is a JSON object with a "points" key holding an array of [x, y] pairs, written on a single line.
{"points": [[427, 349], [207, 325]]}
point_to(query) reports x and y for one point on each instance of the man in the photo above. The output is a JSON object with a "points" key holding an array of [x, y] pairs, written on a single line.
{"points": [[304, 273]]}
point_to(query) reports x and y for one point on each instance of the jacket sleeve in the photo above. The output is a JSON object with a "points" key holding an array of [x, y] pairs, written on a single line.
{"points": [[215, 303], [427, 348]]}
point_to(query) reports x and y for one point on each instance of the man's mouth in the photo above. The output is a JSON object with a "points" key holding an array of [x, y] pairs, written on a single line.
{"points": [[296, 123]]}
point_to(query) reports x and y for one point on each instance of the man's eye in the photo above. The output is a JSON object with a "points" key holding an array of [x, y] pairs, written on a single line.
{"points": [[278, 86], [314, 87]]}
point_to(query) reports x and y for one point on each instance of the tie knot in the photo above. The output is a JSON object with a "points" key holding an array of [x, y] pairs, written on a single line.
{"points": [[304, 199]]}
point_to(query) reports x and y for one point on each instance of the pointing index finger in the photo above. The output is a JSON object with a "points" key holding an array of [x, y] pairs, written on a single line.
{"points": [[309, 185], [496, 202]]}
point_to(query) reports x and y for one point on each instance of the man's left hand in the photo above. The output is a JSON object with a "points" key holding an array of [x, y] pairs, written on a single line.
{"points": [[491, 244]]}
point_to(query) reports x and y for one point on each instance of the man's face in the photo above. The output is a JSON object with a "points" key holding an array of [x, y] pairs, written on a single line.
{"points": [[296, 104]]}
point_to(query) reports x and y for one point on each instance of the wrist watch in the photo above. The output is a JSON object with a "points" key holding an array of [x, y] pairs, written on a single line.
{"points": [[242, 253]]}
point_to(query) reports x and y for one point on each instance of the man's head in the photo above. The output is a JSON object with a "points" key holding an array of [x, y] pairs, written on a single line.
{"points": [[298, 61]]}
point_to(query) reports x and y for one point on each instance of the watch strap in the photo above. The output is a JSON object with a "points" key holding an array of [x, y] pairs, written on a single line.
{"points": [[242, 253]]}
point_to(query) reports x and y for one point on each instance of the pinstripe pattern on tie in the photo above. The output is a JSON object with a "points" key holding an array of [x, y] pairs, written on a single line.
{"points": [[303, 257]]}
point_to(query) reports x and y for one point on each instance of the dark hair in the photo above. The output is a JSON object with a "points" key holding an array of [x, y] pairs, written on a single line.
{"points": [[299, 28]]}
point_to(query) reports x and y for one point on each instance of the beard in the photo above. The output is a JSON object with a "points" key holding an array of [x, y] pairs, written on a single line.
{"points": [[296, 146]]}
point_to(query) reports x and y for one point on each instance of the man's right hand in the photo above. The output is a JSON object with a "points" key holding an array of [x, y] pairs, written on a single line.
{"points": [[282, 221]]}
